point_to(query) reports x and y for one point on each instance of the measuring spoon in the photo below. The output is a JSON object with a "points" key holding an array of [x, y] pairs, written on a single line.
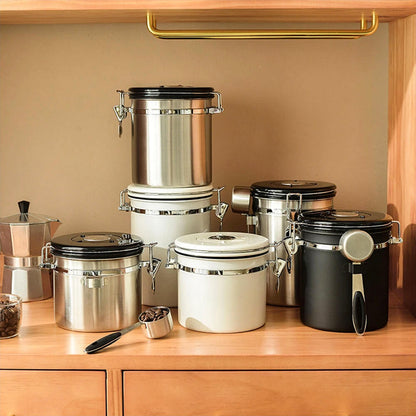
{"points": [[157, 323]]}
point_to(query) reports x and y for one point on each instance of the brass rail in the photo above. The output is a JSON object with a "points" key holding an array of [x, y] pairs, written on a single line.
{"points": [[364, 30]]}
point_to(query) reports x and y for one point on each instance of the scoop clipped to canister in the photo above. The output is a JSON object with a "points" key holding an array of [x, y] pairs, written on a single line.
{"points": [[357, 246]]}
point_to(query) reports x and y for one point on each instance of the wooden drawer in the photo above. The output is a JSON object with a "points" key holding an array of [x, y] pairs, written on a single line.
{"points": [[360, 392], [52, 393]]}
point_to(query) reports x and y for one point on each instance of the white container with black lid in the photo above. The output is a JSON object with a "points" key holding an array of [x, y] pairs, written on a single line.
{"points": [[221, 280]]}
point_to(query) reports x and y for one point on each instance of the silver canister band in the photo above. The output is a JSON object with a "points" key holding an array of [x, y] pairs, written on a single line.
{"points": [[208, 272], [170, 112], [172, 211], [329, 247], [98, 273]]}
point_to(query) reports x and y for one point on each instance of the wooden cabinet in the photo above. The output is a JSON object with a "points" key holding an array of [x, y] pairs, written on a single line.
{"points": [[261, 393], [52, 393], [283, 368]]}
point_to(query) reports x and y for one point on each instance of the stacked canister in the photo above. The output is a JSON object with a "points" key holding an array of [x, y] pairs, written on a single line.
{"points": [[171, 191]]}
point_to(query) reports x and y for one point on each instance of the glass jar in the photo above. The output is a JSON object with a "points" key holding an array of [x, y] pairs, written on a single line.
{"points": [[10, 315]]}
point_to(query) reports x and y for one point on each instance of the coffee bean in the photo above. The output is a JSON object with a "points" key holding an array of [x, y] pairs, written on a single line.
{"points": [[153, 314], [9, 318]]}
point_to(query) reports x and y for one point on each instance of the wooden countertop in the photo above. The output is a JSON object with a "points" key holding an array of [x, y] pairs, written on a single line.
{"points": [[283, 343]]}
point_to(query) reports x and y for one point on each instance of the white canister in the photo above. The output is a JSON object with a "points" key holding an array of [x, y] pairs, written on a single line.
{"points": [[164, 214], [221, 281]]}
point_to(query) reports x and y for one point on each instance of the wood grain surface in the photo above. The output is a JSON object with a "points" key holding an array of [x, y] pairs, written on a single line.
{"points": [[270, 393], [60, 11], [283, 343], [52, 393], [401, 189]]}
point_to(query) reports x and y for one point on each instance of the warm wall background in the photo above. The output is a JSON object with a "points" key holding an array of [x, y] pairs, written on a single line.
{"points": [[293, 109]]}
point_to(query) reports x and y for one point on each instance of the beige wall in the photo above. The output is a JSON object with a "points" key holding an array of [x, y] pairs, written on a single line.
{"points": [[293, 109]]}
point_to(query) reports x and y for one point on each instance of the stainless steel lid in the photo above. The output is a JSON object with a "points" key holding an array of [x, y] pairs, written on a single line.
{"points": [[280, 189], [25, 217]]}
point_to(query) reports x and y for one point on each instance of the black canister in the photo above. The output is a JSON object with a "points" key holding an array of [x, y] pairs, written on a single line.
{"points": [[344, 269]]}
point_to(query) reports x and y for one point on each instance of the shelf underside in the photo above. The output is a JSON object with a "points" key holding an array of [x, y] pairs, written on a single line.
{"points": [[59, 11]]}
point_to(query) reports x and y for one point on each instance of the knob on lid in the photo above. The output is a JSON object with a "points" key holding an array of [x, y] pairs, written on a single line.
{"points": [[24, 210], [25, 218]]}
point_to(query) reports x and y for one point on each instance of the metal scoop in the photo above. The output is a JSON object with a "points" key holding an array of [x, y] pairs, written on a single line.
{"points": [[157, 322]]}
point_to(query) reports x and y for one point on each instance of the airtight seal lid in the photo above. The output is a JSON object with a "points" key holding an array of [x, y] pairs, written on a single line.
{"points": [[96, 245], [222, 245], [175, 92], [135, 191], [345, 219], [279, 189]]}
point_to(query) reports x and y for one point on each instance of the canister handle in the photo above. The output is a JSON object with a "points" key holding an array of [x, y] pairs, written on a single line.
{"points": [[45, 262], [278, 264], [221, 207], [219, 108], [171, 262], [152, 265], [124, 206], [291, 244], [359, 310], [121, 111], [299, 208], [398, 239]]}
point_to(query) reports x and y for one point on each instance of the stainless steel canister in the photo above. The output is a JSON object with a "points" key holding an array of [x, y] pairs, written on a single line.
{"points": [[269, 207], [171, 134], [97, 284]]}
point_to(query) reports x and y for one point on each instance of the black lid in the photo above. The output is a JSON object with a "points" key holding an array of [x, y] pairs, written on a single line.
{"points": [[177, 91], [96, 245], [279, 189], [342, 218]]}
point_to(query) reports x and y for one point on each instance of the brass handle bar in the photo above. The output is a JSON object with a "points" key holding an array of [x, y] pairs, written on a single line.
{"points": [[264, 34]]}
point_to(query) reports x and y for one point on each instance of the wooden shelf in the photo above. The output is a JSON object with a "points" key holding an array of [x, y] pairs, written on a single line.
{"points": [[283, 343], [61, 11]]}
